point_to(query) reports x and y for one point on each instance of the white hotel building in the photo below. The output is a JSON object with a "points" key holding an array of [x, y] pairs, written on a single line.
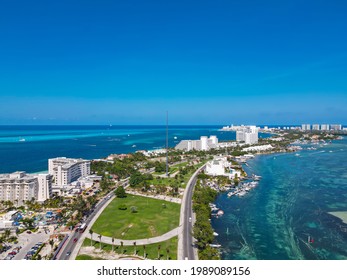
{"points": [[203, 144], [247, 134], [20, 186], [67, 170]]}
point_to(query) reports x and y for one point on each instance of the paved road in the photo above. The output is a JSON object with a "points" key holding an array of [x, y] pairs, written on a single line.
{"points": [[186, 249], [70, 245]]}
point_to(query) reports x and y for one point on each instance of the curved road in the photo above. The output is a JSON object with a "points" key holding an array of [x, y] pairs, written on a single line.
{"points": [[186, 249], [70, 246]]}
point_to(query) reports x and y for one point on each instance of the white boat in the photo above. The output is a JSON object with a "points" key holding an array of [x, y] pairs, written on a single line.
{"points": [[215, 245], [175, 137], [133, 146], [230, 194], [220, 212], [22, 140], [215, 233], [297, 155]]}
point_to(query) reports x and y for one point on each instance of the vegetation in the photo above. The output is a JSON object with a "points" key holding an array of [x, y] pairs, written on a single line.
{"points": [[166, 249], [120, 192], [149, 220], [202, 231]]}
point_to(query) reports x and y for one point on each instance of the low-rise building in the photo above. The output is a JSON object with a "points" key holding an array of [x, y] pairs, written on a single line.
{"points": [[220, 166]]}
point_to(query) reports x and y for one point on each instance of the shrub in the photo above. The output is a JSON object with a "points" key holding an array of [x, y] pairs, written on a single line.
{"points": [[122, 207]]}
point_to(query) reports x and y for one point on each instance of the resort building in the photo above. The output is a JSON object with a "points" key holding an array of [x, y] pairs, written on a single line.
{"points": [[203, 144], [315, 127], [67, 170], [305, 127], [258, 148], [247, 134], [220, 166], [325, 127], [336, 127], [20, 186]]}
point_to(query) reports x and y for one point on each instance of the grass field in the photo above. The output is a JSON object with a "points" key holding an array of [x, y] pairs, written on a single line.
{"points": [[151, 250], [151, 219], [168, 181], [86, 257]]}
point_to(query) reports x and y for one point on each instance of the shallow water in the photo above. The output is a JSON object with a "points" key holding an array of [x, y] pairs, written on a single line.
{"points": [[291, 204]]}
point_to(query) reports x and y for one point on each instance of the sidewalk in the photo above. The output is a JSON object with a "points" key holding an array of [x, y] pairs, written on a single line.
{"points": [[158, 196], [161, 238]]}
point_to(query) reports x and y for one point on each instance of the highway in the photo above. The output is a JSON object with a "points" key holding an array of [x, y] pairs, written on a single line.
{"points": [[70, 244], [188, 241]]}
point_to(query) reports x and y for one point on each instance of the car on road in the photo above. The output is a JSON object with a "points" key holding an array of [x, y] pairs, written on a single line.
{"points": [[68, 253], [190, 219], [75, 240], [29, 232]]}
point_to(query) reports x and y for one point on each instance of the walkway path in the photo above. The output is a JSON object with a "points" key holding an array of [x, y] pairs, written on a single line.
{"points": [[161, 238], [158, 196]]}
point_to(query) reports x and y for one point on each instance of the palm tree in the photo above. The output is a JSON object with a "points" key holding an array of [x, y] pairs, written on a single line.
{"points": [[167, 253], [91, 237], [134, 247], [144, 251], [51, 242], [100, 240], [159, 251], [112, 243], [7, 234], [121, 246]]}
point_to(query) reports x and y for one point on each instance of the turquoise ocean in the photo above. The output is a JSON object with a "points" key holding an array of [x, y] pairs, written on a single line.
{"points": [[291, 206], [274, 221]]}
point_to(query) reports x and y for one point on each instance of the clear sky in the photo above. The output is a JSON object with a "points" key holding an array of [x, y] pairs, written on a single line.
{"points": [[206, 62]]}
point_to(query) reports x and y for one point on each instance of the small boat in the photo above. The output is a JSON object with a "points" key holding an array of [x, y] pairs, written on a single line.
{"points": [[215, 245], [220, 212], [175, 137], [22, 140], [310, 239], [297, 155], [133, 146], [215, 233], [230, 194]]}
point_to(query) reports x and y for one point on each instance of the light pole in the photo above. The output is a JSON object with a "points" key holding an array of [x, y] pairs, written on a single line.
{"points": [[167, 144]]}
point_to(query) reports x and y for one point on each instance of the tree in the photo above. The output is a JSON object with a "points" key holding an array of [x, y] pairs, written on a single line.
{"points": [[121, 246], [133, 209], [91, 237], [134, 247], [112, 243], [51, 242], [120, 192], [236, 180], [167, 253], [100, 240], [144, 251], [28, 222], [159, 246]]}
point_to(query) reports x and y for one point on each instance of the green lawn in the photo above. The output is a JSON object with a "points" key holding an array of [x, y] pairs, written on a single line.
{"points": [[87, 257], [151, 219], [167, 181], [151, 249]]}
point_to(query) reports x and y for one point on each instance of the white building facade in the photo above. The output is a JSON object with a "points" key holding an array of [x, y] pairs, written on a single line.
{"points": [[66, 170], [203, 144], [20, 186], [247, 134]]}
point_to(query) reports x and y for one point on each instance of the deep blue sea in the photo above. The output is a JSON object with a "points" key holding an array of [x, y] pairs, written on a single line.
{"points": [[291, 204], [27, 148]]}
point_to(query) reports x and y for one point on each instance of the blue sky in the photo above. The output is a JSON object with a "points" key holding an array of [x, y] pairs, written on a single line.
{"points": [[206, 62]]}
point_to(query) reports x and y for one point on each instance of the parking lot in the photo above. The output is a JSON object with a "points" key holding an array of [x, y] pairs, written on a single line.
{"points": [[25, 242]]}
